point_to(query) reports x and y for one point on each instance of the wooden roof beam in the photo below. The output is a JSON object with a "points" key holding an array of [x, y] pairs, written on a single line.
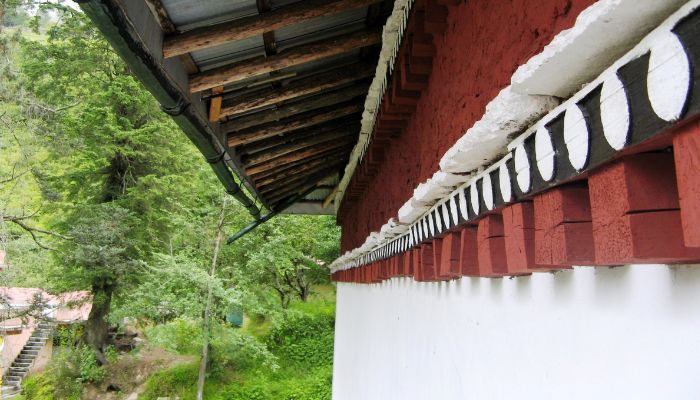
{"points": [[349, 122], [293, 124], [281, 184], [303, 54], [286, 111], [298, 145], [301, 155], [302, 87], [300, 169], [242, 28], [308, 183], [299, 166]]}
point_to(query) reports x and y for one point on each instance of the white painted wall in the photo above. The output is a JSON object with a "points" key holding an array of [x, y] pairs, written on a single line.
{"points": [[591, 333]]}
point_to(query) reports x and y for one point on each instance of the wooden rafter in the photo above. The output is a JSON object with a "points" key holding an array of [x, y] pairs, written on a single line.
{"points": [[303, 87], [243, 28], [168, 27], [288, 125], [301, 155], [301, 187], [299, 169], [290, 182], [298, 145], [286, 111], [349, 122], [299, 166], [296, 56]]}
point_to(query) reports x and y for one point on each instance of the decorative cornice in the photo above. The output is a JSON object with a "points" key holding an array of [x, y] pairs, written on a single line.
{"points": [[639, 96], [391, 42]]}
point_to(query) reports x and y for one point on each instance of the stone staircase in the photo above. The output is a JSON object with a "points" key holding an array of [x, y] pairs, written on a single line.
{"points": [[20, 366]]}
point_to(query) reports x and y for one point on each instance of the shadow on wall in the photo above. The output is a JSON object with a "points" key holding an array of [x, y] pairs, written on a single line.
{"points": [[585, 333], [674, 285]]}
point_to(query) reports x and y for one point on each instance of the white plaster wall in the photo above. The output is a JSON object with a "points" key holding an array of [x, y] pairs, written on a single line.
{"points": [[630, 332]]}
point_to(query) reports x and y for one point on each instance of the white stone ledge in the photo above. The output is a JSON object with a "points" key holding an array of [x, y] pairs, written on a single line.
{"points": [[602, 33]]}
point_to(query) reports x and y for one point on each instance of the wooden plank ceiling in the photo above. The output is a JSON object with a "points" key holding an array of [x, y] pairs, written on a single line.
{"points": [[285, 81]]}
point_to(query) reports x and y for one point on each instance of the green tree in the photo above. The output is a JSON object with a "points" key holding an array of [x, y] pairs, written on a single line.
{"points": [[289, 254], [119, 169]]}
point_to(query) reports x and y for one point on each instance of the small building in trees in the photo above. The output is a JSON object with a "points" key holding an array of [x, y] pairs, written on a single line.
{"points": [[28, 316], [518, 183]]}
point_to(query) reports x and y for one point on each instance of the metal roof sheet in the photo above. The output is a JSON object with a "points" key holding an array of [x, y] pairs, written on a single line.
{"points": [[189, 14]]}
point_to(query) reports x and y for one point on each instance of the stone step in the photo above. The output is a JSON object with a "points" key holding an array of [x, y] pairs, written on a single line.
{"points": [[12, 379], [23, 360], [14, 371], [29, 351], [10, 394], [9, 390]]}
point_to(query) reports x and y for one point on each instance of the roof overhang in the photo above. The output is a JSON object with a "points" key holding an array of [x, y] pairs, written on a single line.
{"points": [[271, 92]]}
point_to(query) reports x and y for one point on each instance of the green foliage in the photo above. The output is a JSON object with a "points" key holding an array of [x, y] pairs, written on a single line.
{"points": [[303, 338], [68, 335], [314, 385], [174, 286], [301, 344], [180, 336], [233, 350], [230, 348], [70, 368], [178, 381], [288, 254], [42, 387]]}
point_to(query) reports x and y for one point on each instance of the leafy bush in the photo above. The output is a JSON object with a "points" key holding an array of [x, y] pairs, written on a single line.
{"points": [[41, 386], [69, 369], [232, 349], [303, 338], [182, 336], [178, 381]]}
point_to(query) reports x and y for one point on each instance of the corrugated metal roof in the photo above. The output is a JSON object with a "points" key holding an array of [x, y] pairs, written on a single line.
{"points": [[228, 53], [190, 14], [321, 28]]}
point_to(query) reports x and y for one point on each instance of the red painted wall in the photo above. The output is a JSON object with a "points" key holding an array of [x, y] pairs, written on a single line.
{"points": [[483, 45]]}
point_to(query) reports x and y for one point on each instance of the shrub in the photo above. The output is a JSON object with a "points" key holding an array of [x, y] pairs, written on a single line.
{"points": [[40, 387], [182, 336], [232, 349], [180, 381], [305, 339]]}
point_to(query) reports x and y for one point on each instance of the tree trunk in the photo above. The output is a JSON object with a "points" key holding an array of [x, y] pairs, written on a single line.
{"points": [[207, 309], [96, 328]]}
